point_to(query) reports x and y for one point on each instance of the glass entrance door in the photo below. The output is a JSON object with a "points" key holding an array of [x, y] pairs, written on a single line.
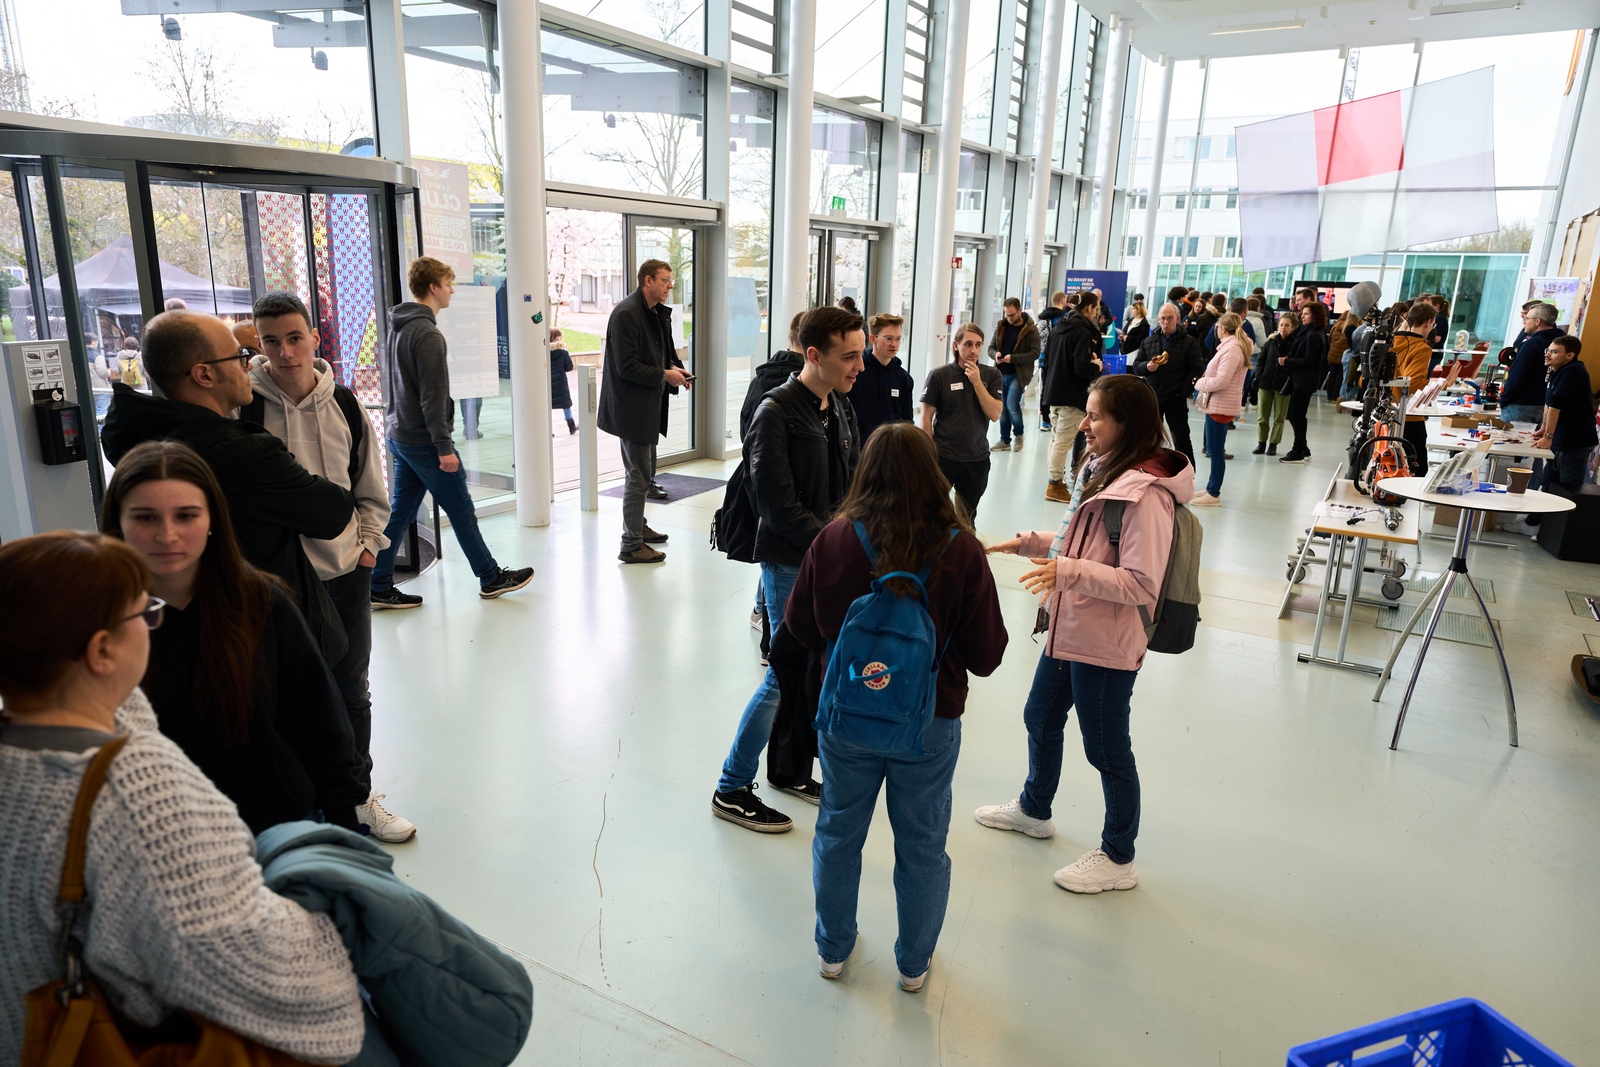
{"points": [[841, 262], [964, 284]]}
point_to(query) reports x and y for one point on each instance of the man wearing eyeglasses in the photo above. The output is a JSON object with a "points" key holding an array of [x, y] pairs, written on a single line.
{"points": [[202, 374]]}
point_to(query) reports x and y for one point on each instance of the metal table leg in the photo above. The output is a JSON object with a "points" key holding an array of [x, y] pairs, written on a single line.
{"points": [[1505, 674], [1305, 549], [1394, 653], [1354, 595], [1458, 565], [1330, 584]]}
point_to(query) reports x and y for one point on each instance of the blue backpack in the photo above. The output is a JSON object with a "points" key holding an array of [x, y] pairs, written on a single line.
{"points": [[880, 687]]}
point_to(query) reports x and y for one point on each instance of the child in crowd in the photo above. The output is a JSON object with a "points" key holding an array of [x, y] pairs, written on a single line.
{"points": [[560, 367]]}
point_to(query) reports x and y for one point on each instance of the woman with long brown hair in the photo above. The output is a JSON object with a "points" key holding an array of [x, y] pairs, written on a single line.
{"points": [[1094, 593], [903, 503], [176, 917], [235, 676]]}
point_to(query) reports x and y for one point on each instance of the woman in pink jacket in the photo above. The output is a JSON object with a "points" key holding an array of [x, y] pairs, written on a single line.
{"points": [[1096, 638], [1221, 391]]}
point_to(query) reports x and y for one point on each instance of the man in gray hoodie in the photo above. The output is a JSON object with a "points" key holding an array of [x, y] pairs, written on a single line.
{"points": [[420, 416], [297, 397]]}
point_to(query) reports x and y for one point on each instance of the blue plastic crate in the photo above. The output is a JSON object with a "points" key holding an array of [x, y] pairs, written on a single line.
{"points": [[1457, 1033]]}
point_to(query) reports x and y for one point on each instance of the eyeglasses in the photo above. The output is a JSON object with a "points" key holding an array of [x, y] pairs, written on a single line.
{"points": [[152, 613], [243, 356]]}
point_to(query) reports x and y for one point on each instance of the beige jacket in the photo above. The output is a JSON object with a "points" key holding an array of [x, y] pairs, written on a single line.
{"points": [[316, 432]]}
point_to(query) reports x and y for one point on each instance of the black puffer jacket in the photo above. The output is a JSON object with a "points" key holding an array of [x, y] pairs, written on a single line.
{"points": [[1269, 375], [778, 368], [795, 477], [1174, 379], [1307, 359], [1047, 323], [1075, 343]]}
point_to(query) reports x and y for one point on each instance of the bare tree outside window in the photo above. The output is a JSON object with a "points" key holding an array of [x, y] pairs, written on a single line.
{"points": [[200, 93]]}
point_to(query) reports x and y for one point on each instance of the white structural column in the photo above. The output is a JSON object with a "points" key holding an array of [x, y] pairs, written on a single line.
{"points": [[1146, 279], [1110, 141], [1044, 148], [944, 215], [388, 52], [527, 289], [796, 267]]}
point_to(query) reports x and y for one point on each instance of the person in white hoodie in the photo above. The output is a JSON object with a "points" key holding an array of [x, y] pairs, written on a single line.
{"points": [[299, 401]]}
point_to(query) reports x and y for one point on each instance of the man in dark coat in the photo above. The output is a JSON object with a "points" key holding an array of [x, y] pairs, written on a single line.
{"points": [[1014, 348], [272, 500], [1170, 360], [641, 367], [884, 388], [1047, 321], [1073, 360], [778, 368]]}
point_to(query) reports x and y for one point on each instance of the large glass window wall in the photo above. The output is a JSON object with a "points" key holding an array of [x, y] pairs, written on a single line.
{"points": [[622, 119], [907, 194], [749, 242], [850, 39], [293, 76], [675, 22], [983, 41], [972, 184], [844, 164]]}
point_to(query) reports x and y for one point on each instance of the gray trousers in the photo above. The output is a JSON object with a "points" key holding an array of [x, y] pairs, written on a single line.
{"points": [[639, 463]]}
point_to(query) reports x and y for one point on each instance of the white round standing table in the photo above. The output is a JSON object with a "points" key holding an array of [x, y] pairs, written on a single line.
{"points": [[1531, 502]]}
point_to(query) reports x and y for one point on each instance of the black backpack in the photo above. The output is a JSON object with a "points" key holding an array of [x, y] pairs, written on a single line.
{"points": [[353, 416], [733, 528]]}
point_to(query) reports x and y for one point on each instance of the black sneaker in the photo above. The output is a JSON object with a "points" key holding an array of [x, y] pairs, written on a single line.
{"points": [[1260, 449], [392, 599], [809, 790], [1294, 457], [653, 538], [1272, 450], [505, 582], [741, 806], [655, 492]]}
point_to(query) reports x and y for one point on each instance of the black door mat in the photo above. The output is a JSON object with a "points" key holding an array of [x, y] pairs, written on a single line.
{"points": [[678, 486]]}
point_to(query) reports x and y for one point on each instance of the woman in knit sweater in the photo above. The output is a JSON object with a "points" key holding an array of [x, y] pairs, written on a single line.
{"points": [[177, 918], [1221, 388], [235, 676]]}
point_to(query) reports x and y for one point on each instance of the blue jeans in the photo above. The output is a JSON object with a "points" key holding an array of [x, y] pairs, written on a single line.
{"points": [[755, 726], [1011, 410], [1216, 438], [1103, 697], [415, 470], [919, 812]]}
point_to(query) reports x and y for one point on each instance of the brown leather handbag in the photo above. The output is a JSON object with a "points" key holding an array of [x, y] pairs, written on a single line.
{"points": [[69, 1021]]}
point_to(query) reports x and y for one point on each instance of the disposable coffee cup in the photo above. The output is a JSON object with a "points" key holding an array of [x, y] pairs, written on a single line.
{"points": [[1518, 480]]}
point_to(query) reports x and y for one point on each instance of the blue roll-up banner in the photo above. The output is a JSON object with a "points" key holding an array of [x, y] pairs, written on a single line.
{"points": [[1113, 286]]}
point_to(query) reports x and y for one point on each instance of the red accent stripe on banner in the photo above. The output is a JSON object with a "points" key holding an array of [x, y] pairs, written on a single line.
{"points": [[1359, 139]]}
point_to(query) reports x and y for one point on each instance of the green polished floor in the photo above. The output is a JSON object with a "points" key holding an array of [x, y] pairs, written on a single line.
{"points": [[557, 749]]}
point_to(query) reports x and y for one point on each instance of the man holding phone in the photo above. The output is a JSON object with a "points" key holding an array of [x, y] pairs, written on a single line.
{"points": [[640, 368]]}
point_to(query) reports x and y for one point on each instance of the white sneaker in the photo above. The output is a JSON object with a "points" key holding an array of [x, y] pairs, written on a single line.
{"points": [[1205, 500], [382, 823], [829, 970], [755, 620], [1095, 872], [913, 984], [1010, 816], [1520, 526]]}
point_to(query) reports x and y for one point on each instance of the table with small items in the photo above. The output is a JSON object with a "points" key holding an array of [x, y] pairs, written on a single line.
{"points": [[1349, 518], [1496, 499]]}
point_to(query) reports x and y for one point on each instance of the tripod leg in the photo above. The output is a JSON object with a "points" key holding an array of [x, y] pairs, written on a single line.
{"points": [[1505, 675], [1394, 653], [1422, 653]]}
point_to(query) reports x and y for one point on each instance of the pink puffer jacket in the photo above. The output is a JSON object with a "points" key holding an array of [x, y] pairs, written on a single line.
{"points": [[1094, 610], [1224, 379]]}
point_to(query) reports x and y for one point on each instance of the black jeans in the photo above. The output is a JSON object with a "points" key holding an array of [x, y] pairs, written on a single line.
{"points": [[969, 480], [352, 597], [1175, 409], [1417, 434], [1299, 404]]}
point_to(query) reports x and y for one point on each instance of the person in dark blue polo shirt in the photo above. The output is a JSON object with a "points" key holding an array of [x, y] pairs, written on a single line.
{"points": [[884, 388], [1522, 396], [1567, 427]]}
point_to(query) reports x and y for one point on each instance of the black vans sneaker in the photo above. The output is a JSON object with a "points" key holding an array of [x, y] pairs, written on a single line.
{"points": [[391, 599], [809, 790], [741, 806], [505, 582]]}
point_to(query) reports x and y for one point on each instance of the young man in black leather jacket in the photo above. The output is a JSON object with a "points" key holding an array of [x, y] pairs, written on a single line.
{"points": [[799, 454]]}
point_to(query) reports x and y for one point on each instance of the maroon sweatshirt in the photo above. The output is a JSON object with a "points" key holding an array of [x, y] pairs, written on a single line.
{"points": [[961, 599]]}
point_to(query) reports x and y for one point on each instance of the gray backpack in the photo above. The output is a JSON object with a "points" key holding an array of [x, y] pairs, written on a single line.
{"points": [[1171, 627]]}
